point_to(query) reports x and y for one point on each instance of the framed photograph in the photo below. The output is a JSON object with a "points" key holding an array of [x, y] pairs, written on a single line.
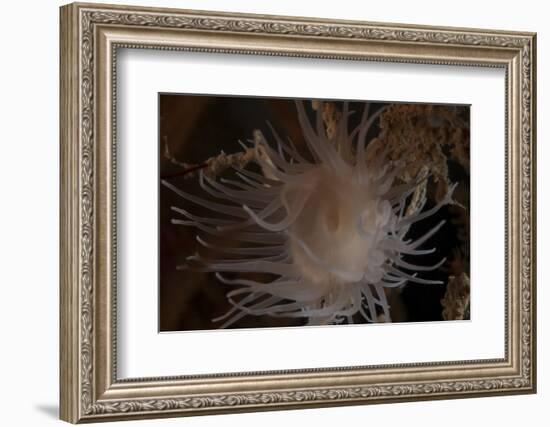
{"points": [[266, 212]]}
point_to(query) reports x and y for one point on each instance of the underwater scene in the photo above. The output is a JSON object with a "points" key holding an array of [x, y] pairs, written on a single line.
{"points": [[307, 212]]}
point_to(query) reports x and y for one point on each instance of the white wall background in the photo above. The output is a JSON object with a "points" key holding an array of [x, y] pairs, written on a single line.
{"points": [[29, 170]]}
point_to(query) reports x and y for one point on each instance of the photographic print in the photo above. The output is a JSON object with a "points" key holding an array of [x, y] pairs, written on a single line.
{"points": [[300, 212]]}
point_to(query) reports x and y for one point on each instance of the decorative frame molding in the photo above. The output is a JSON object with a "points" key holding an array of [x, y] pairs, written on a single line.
{"points": [[90, 36]]}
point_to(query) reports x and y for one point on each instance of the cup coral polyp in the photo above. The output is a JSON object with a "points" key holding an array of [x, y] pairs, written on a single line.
{"points": [[330, 232]]}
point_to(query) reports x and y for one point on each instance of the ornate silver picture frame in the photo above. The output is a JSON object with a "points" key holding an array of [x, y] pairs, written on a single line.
{"points": [[92, 37]]}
